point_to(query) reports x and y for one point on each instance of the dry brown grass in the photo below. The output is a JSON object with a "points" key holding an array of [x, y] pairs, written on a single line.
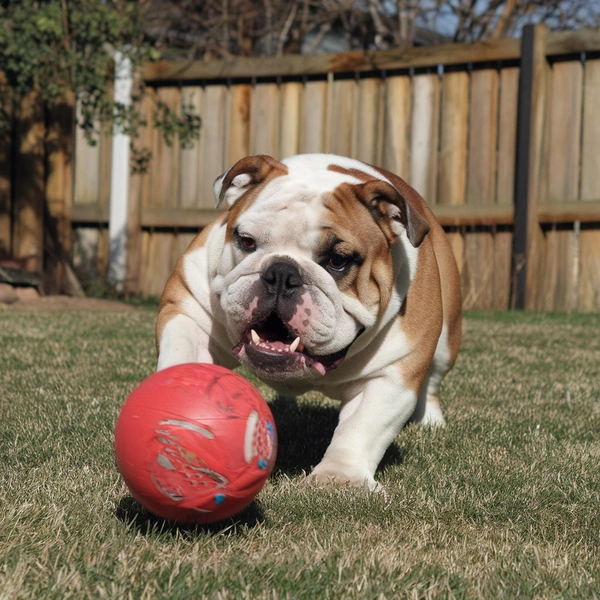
{"points": [[503, 503]]}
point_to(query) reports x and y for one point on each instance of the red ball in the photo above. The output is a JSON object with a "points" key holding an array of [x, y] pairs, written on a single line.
{"points": [[195, 443]]}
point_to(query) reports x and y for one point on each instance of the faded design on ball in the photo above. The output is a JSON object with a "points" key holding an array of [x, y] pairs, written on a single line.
{"points": [[178, 470], [182, 475], [259, 440]]}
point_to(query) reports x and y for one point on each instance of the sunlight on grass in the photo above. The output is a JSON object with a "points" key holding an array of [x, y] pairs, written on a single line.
{"points": [[503, 503]]}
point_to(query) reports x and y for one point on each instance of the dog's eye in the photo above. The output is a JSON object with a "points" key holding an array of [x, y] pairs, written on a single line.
{"points": [[246, 242], [337, 262]]}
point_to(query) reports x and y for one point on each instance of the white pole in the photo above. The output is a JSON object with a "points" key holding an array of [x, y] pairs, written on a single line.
{"points": [[119, 180]]}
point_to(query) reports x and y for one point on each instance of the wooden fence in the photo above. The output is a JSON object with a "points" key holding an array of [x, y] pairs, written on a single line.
{"points": [[501, 138]]}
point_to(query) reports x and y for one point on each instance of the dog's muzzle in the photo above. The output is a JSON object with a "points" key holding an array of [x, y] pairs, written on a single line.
{"points": [[270, 346]]}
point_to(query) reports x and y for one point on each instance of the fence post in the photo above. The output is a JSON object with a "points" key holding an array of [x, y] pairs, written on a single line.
{"points": [[119, 178], [527, 237]]}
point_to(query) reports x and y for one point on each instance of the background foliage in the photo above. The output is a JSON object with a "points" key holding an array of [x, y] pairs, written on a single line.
{"points": [[222, 28], [65, 48]]}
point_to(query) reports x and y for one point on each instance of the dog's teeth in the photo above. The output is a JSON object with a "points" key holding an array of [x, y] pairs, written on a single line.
{"points": [[294, 344], [255, 337]]}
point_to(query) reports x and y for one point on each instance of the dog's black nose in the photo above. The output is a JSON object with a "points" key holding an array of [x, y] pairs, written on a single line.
{"points": [[281, 277]]}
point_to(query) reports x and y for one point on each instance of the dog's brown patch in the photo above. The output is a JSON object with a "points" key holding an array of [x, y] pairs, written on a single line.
{"points": [[351, 222], [373, 189], [449, 278], [434, 294], [421, 318], [356, 173]]}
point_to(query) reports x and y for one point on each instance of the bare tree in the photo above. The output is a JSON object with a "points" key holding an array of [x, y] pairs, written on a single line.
{"points": [[221, 28], [471, 20]]}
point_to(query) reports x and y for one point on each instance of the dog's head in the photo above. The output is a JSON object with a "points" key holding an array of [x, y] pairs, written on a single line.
{"points": [[308, 265]]}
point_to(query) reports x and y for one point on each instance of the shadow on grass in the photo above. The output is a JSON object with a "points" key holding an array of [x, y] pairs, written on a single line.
{"points": [[304, 432], [142, 521]]}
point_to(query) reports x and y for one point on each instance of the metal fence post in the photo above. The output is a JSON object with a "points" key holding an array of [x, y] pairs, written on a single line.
{"points": [[530, 125]]}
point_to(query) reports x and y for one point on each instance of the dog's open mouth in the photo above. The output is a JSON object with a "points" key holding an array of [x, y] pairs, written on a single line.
{"points": [[274, 350]]}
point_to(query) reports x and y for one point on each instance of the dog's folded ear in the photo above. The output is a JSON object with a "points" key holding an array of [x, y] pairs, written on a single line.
{"points": [[245, 174], [393, 211]]}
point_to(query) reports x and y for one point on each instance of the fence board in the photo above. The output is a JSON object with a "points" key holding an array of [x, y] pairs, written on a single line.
{"points": [[590, 155], [240, 97], [565, 132], [105, 169], [369, 120], [139, 187], [558, 277], [478, 270], [58, 196], [453, 156], [454, 135], [505, 180], [589, 271], [59, 170], [158, 262], [343, 117], [483, 121], [145, 268], [264, 120], [507, 135], [396, 128], [289, 122], [425, 122], [589, 240], [28, 207], [486, 270], [189, 158], [164, 171], [481, 174], [501, 283], [215, 148], [87, 169], [313, 133]]}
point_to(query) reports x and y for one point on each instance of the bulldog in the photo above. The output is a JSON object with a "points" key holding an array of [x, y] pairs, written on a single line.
{"points": [[325, 274]]}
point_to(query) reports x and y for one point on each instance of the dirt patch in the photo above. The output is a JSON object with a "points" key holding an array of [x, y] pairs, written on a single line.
{"points": [[67, 303]]}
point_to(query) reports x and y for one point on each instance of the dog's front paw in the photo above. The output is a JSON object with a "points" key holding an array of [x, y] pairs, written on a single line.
{"points": [[329, 472]]}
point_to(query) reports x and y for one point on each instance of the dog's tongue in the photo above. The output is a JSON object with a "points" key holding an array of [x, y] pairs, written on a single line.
{"points": [[317, 366]]}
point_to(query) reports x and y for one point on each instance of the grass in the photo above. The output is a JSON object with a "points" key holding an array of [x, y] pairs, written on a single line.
{"points": [[503, 503]]}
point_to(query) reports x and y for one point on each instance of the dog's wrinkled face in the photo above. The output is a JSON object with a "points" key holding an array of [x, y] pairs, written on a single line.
{"points": [[307, 265]]}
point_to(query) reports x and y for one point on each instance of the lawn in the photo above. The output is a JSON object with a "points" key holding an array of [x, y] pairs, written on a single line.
{"points": [[503, 503]]}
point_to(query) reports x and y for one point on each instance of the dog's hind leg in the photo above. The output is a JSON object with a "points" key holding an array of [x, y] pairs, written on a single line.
{"points": [[428, 410], [433, 412]]}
